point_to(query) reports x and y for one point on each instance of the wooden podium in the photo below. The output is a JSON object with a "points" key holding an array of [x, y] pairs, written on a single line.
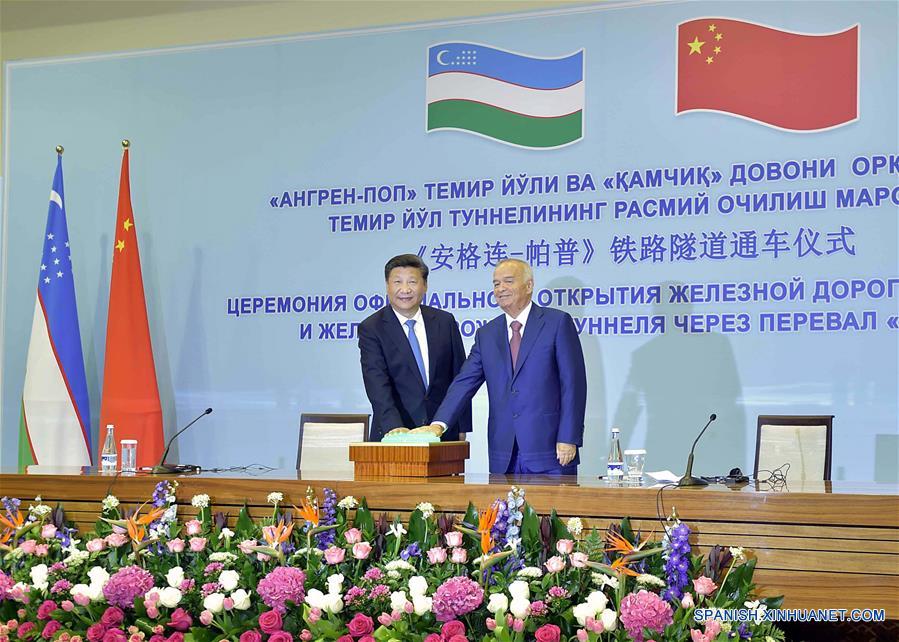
{"points": [[375, 459]]}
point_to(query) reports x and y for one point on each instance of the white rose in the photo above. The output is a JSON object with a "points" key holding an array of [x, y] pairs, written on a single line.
{"points": [[95, 593], [335, 584], [80, 589], [520, 589], [98, 575], [582, 611], [315, 598], [598, 601], [214, 602], [332, 603], [175, 576], [520, 607], [228, 580], [241, 599], [498, 602], [39, 575], [609, 619], [398, 600], [418, 585], [169, 597], [422, 604]]}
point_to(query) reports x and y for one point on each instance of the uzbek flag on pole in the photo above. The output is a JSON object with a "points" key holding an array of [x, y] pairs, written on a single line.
{"points": [[130, 395], [55, 421]]}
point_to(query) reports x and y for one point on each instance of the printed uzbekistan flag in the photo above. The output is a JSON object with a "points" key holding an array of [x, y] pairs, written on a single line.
{"points": [[130, 395], [54, 428], [524, 101], [793, 81]]}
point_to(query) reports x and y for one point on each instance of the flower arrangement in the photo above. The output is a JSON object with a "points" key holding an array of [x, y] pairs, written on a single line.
{"points": [[336, 572]]}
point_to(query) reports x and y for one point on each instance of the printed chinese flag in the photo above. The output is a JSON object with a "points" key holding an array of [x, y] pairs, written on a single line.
{"points": [[130, 394], [792, 81]]}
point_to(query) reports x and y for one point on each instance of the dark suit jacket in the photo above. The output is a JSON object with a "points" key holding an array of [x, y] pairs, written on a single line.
{"points": [[541, 403], [392, 380]]}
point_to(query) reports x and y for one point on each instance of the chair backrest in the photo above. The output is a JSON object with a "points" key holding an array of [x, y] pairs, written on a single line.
{"points": [[803, 441], [325, 439]]}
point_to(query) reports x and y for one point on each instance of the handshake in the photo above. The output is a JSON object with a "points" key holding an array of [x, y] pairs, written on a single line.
{"points": [[434, 429]]}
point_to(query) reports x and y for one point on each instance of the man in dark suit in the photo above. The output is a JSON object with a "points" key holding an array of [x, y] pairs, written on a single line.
{"points": [[532, 361], [410, 353]]}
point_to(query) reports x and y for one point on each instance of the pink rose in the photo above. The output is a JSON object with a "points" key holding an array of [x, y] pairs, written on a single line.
{"points": [[246, 546], [360, 625], [282, 636], [433, 637], [251, 636], [50, 629], [704, 586], [206, 617], [386, 620], [176, 637], [565, 546], [687, 601], [366, 638], [548, 633], [582, 635], [437, 555], [451, 628], [334, 555], [48, 531], [175, 545], [457, 638], [112, 616], [115, 635], [270, 621], [42, 550], [345, 638], [82, 600], [453, 539], [361, 550], [555, 564], [306, 635], [180, 620], [491, 624], [459, 555], [116, 539], [28, 546], [193, 527], [45, 609], [315, 614], [578, 560], [197, 544], [228, 603], [353, 536], [152, 611], [95, 545], [518, 625], [67, 606]]}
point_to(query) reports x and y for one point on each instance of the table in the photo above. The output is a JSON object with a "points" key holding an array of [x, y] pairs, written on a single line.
{"points": [[820, 544]]}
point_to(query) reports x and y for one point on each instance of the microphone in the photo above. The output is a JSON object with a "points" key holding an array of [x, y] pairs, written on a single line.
{"points": [[163, 468], [688, 480]]}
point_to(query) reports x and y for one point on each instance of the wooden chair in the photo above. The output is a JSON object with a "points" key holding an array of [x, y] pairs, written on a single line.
{"points": [[324, 442], [803, 441]]}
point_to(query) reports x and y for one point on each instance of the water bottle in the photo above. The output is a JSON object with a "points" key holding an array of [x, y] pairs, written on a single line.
{"points": [[615, 466], [109, 459]]}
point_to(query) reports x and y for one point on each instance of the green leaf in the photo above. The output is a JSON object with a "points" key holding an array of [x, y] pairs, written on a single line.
{"points": [[560, 531], [471, 515], [364, 521], [244, 525], [627, 531], [417, 528], [201, 634], [530, 528]]}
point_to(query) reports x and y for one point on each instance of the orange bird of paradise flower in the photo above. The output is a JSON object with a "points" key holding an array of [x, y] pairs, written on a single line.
{"points": [[277, 535], [137, 524], [13, 522], [486, 520], [309, 512], [618, 544]]}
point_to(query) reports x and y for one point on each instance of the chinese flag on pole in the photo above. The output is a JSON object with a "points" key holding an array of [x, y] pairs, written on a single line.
{"points": [[130, 395], [792, 81]]}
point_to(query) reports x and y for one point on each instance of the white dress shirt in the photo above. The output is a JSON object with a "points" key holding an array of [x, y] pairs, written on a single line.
{"points": [[420, 334], [521, 318]]}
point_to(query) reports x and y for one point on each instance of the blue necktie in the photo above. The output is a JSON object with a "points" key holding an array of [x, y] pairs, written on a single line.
{"points": [[416, 351]]}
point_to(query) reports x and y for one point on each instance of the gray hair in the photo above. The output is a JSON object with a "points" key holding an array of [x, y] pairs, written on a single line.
{"points": [[525, 267]]}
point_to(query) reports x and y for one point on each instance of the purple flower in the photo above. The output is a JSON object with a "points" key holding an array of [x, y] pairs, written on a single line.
{"points": [[213, 567], [644, 610], [498, 532], [283, 584], [413, 550], [327, 517], [61, 585], [355, 593], [373, 574], [6, 583], [126, 584], [378, 591], [677, 565], [209, 588], [456, 597]]}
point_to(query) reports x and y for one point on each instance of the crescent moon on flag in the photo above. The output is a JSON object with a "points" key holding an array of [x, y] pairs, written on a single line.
{"points": [[440, 53]]}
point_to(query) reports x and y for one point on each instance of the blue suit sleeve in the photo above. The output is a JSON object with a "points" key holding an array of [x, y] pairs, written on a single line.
{"points": [[458, 361], [572, 383], [376, 378], [463, 387]]}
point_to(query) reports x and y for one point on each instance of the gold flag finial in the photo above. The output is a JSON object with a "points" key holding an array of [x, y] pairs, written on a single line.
{"points": [[126, 143], [60, 149]]}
